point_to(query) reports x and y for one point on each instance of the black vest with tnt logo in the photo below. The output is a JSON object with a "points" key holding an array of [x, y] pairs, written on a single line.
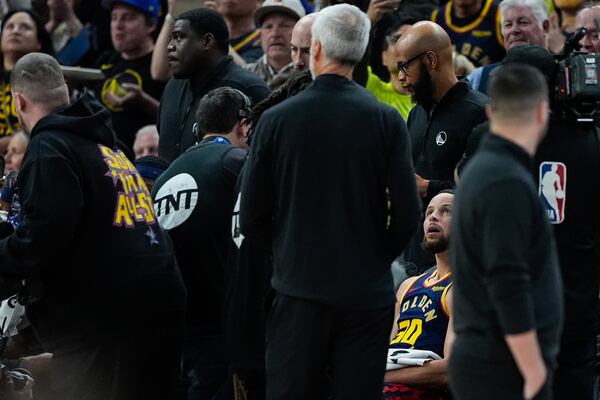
{"points": [[194, 200], [480, 41]]}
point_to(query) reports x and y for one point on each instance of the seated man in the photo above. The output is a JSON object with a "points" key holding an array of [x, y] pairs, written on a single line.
{"points": [[422, 335]]}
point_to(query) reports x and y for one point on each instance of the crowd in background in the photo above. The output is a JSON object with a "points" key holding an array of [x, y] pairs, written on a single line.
{"points": [[227, 111]]}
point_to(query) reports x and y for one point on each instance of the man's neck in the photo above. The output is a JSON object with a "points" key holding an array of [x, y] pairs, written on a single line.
{"points": [[10, 59], [441, 263], [443, 85], [240, 26], [279, 63], [468, 11], [206, 72], [139, 52], [335, 69], [522, 135]]}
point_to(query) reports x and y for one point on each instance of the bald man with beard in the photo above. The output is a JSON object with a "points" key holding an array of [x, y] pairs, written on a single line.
{"points": [[440, 124]]}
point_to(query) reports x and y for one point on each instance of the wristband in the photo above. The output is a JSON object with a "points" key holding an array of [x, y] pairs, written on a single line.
{"points": [[169, 18]]}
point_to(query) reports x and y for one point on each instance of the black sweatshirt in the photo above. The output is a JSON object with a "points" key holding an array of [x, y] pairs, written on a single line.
{"points": [[193, 200], [505, 266], [89, 234], [319, 171]]}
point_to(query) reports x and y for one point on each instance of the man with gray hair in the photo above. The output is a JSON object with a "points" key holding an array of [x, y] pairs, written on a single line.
{"points": [[99, 271], [305, 194], [523, 22]]}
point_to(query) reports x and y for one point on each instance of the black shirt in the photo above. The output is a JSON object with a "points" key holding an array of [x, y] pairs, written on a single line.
{"points": [[503, 256], [322, 167], [179, 103], [573, 149], [193, 200], [118, 71]]}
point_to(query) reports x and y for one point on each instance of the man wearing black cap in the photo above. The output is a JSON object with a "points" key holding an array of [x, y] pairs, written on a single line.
{"points": [[566, 165], [198, 59]]}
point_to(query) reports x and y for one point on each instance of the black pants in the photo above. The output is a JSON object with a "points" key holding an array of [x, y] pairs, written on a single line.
{"points": [[574, 376], [309, 341], [486, 370]]}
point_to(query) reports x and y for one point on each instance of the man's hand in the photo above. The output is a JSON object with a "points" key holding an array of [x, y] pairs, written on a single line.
{"points": [[8, 391], [556, 38], [377, 8], [422, 185], [534, 382], [134, 98]]}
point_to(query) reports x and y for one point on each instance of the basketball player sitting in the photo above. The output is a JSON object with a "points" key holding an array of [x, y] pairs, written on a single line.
{"points": [[422, 334]]}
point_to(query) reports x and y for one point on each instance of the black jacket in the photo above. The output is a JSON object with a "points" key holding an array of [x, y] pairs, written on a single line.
{"points": [[439, 136], [178, 104], [505, 267], [194, 200], [88, 234], [322, 167]]}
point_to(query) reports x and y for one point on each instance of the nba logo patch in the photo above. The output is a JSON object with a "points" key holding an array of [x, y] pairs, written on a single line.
{"points": [[553, 189]]}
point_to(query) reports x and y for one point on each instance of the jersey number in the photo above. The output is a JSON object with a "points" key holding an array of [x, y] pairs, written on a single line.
{"points": [[409, 331]]}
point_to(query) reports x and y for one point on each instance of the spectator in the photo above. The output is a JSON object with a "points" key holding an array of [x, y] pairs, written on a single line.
{"points": [[15, 151], [22, 32], [440, 124], [423, 328], [199, 61], [277, 20], [300, 42], [393, 92], [150, 168], [507, 285], [590, 43], [129, 91], [244, 36], [146, 142], [331, 279], [63, 22], [82, 203], [202, 182], [473, 29], [523, 22]]}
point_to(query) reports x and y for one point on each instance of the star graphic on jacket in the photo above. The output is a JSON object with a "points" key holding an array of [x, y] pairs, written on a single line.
{"points": [[150, 233]]}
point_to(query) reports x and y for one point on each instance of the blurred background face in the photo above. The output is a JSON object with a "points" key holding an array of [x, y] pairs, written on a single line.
{"points": [[129, 28], [19, 35], [590, 43], [521, 27], [16, 150], [276, 35], [237, 8], [146, 142]]}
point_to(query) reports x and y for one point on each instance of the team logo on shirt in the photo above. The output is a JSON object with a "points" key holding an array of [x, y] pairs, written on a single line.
{"points": [[113, 86], [441, 138], [176, 200], [134, 203], [236, 233], [553, 190]]}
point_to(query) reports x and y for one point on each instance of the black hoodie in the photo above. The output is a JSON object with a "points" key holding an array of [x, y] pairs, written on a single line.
{"points": [[88, 234]]}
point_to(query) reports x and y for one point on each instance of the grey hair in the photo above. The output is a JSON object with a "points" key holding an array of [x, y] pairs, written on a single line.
{"points": [[343, 31], [538, 8]]}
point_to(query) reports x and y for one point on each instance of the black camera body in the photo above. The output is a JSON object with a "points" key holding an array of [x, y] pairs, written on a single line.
{"points": [[576, 93]]}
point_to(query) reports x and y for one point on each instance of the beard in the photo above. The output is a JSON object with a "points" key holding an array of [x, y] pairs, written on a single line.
{"points": [[435, 246], [423, 89]]}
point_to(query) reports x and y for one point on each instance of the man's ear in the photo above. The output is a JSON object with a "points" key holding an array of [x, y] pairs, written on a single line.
{"points": [[488, 111], [20, 102], [208, 41], [244, 128]]}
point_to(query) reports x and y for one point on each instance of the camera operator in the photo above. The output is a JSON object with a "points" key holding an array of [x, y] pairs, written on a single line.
{"points": [[567, 166], [586, 17]]}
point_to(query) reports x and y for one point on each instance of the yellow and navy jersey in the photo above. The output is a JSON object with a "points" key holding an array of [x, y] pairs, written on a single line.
{"points": [[480, 40], [424, 315], [9, 121]]}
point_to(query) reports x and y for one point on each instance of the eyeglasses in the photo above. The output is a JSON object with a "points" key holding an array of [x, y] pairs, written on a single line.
{"points": [[404, 65]]}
